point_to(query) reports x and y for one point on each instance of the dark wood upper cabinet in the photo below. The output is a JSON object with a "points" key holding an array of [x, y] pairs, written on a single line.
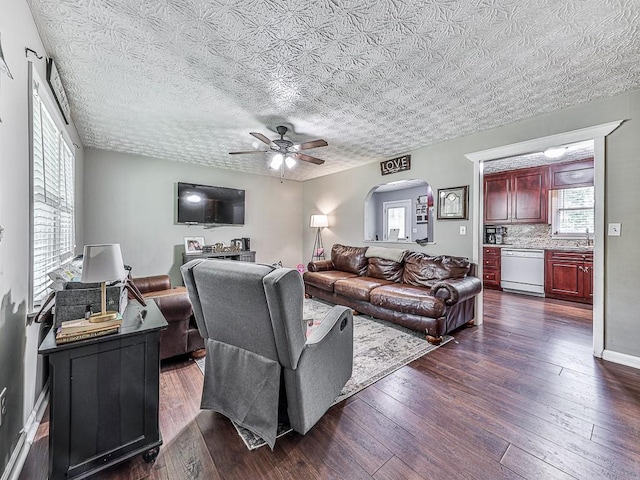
{"points": [[517, 196], [529, 197], [497, 198], [571, 175]]}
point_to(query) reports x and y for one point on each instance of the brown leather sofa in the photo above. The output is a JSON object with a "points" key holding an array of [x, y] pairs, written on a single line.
{"points": [[418, 291], [181, 336]]}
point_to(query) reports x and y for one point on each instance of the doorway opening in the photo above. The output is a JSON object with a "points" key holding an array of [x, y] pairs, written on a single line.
{"points": [[597, 134]]}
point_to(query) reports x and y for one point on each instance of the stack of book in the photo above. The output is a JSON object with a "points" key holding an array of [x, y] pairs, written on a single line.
{"points": [[74, 330]]}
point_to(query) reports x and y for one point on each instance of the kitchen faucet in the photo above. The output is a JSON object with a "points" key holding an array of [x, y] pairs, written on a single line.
{"points": [[589, 239]]}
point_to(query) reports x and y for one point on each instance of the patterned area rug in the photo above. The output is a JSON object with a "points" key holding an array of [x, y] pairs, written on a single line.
{"points": [[379, 348]]}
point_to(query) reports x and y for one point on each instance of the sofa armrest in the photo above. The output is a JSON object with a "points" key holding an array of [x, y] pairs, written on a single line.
{"points": [[457, 289], [153, 283], [320, 266]]}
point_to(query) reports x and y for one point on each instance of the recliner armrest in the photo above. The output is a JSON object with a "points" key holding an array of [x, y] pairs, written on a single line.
{"points": [[325, 365], [320, 266], [457, 289], [336, 314]]}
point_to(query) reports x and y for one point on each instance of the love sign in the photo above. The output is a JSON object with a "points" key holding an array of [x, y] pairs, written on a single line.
{"points": [[395, 165]]}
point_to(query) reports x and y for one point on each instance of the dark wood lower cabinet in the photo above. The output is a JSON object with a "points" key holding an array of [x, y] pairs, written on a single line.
{"points": [[491, 267], [104, 401], [569, 275]]}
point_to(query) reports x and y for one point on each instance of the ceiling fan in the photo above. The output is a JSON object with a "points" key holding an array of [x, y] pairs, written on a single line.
{"points": [[285, 150]]}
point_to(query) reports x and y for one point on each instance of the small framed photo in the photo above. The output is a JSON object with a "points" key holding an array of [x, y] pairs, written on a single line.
{"points": [[452, 203], [193, 245]]}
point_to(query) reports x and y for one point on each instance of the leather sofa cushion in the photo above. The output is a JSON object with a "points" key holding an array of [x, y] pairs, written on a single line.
{"points": [[358, 287], [425, 270], [325, 280], [385, 269], [350, 259], [174, 305], [407, 299]]}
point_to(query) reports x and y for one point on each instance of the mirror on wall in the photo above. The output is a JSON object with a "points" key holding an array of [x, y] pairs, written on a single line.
{"points": [[399, 212]]}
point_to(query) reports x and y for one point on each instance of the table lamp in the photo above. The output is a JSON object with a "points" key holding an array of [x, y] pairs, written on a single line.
{"points": [[319, 222], [102, 264]]}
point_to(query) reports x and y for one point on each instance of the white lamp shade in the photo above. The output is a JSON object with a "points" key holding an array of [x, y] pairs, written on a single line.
{"points": [[102, 263], [319, 221]]}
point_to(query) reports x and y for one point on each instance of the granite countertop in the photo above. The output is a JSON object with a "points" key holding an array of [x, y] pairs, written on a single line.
{"points": [[564, 248]]}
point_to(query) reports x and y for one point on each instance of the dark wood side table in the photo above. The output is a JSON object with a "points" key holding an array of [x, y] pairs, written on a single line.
{"points": [[104, 397], [242, 255]]}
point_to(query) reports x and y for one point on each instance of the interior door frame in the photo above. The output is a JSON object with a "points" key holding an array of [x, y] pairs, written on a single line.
{"points": [[597, 133]]}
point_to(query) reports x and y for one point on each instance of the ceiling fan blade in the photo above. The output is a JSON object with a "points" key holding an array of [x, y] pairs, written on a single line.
{"points": [[307, 158], [250, 151], [261, 137], [313, 144]]}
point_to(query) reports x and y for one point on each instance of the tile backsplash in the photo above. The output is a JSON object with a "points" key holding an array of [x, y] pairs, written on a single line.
{"points": [[538, 236]]}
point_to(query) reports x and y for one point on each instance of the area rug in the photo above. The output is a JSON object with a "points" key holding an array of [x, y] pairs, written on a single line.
{"points": [[379, 348]]}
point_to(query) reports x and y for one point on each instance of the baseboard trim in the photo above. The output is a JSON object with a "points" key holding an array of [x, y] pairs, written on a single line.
{"points": [[621, 358], [28, 433]]}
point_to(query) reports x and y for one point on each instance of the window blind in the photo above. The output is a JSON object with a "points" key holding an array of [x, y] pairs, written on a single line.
{"points": [[574, 211], [53, 197]]}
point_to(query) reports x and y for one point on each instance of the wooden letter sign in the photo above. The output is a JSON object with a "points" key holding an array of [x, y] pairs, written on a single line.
{"points": [[395, 165]]}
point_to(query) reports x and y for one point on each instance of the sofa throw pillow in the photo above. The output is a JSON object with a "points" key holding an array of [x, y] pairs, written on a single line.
{"points": [[385, 269], [349, 259], [395, 254], [425, 270]]}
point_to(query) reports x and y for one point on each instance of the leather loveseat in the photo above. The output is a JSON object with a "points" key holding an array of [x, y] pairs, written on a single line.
{"points": [[181, 336], [432, 294]]}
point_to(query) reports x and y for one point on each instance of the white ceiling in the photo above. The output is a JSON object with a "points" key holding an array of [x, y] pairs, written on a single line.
{"points": [[573, 152], [187, 80]]}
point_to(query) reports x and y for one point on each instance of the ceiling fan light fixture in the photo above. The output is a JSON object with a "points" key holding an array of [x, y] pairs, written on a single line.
{"points": [[276, 161], [290, 161]]}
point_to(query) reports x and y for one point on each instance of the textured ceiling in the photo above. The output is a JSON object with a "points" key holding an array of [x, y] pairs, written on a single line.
{"points": [[573, 152], [187, 80]]}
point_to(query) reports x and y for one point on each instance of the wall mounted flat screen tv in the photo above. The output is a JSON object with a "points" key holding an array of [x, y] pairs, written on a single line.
{"points": [[208, 205]]}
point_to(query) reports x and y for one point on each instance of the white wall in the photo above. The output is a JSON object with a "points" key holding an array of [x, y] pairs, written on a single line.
{"points": [[341, 196], [130, 199], [18, 341]]}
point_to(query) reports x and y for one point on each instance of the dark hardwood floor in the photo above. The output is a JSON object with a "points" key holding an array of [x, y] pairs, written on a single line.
{"points": [[518, 397]]}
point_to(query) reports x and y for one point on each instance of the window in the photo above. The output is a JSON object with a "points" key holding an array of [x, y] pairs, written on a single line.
{"points": [[573, 211], [52, 190]]}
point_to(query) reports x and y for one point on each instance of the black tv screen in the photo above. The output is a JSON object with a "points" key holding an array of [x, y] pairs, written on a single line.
{"points": [[203, 204]]}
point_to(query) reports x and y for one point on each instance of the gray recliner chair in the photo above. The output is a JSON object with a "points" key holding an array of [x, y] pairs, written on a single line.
{"points": [[258, 356]]}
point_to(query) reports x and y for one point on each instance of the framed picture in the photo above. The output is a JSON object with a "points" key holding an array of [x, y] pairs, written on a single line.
{"points": [[193, 245], [452, 203]]}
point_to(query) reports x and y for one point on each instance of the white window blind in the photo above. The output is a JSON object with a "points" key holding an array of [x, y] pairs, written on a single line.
{"points": [[53, 197], [573, 211]]}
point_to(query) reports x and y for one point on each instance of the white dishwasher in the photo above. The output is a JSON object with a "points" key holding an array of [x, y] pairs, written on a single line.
{"points": [[522, 271]]}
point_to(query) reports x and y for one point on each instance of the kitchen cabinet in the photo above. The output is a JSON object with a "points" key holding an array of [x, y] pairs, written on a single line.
{"points": [[516, 196], [569, 275], [571, 175], [491, 267]]}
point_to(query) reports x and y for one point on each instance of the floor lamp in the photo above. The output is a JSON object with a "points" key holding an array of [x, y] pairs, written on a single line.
{"points": [[319, 222]]}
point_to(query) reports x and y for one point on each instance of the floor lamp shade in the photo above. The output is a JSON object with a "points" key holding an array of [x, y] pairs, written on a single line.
{"points": [[319, 221], [102, 264]]}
